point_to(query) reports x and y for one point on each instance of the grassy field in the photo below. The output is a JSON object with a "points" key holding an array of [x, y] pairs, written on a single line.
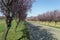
{"points": [[51, 24], [12, 35]]}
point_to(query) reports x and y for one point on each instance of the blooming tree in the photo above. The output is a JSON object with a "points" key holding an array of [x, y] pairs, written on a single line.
{"points": [[14, 9]]}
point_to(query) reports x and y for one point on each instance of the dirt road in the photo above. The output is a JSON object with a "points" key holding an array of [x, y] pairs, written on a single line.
{"points": [[39, 32]]}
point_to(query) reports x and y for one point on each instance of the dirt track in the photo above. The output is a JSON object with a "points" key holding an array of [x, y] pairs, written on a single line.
{"points": [[39, 32]]}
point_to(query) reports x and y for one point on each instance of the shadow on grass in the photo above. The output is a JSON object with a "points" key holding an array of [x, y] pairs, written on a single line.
{"points": [[25, 34], [37, 33]]}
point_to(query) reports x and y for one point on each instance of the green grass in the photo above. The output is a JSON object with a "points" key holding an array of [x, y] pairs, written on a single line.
{"points": [[12, 35], [51, 24]]}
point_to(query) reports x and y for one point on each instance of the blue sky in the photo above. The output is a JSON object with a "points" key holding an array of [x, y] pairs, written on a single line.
{"points": [[42, 6], [0, 14]]}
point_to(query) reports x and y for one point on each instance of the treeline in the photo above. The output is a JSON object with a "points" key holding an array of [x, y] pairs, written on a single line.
{"points": [[48, 16]]}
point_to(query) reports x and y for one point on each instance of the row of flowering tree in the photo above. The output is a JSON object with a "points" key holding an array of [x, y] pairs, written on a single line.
{"points": [[48, 16], [14, 9]]}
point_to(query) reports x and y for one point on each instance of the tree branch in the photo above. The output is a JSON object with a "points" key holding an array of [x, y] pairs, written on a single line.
{"points": [[11, 2], [4, 3]]}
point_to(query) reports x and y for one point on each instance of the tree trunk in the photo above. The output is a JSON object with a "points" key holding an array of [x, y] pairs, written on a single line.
{"points": [[8, 21], [55, 23], [8, 25], [17, 25], [5, 33]]}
